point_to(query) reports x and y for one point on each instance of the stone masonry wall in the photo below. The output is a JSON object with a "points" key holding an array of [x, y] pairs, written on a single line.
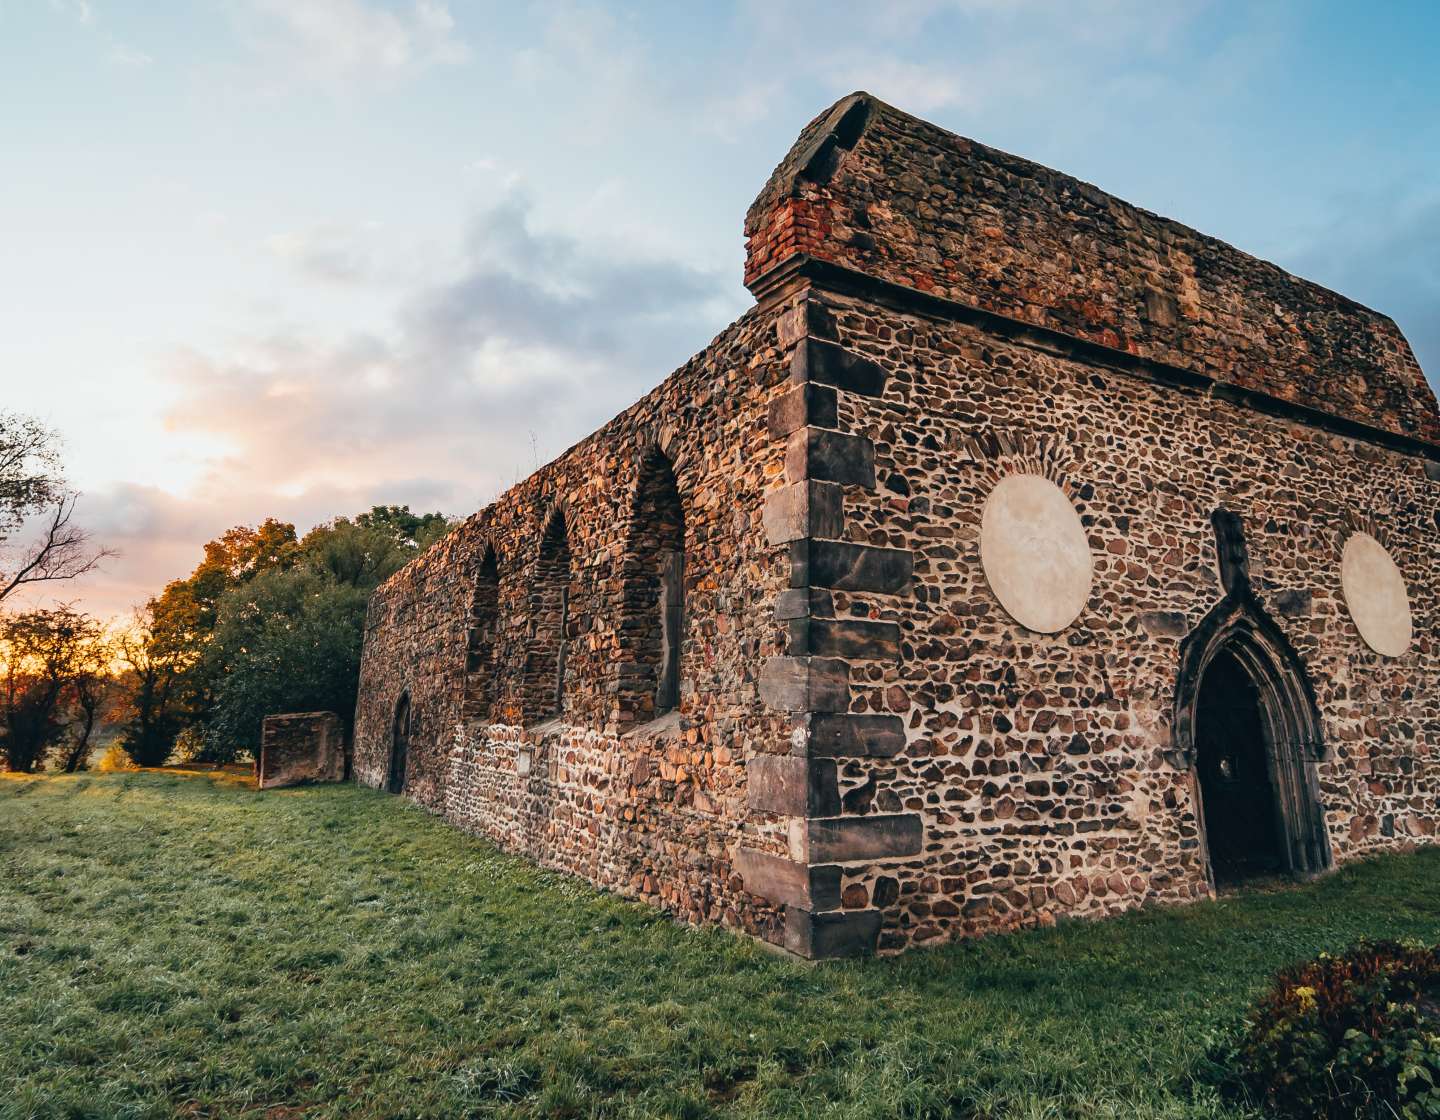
{"points": [[1037, 763], [881, 192], [300, 747], [651, 808], [868, 752]]}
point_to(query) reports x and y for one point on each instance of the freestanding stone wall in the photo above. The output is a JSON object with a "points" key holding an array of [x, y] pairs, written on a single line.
{"points": [[869, 750], [300, 747]]}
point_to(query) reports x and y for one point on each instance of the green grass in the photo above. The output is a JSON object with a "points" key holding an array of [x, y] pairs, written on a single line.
{"points": [[176, 944]]}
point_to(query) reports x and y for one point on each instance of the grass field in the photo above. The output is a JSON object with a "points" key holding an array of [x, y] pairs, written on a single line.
{"points": [[176, 944]]}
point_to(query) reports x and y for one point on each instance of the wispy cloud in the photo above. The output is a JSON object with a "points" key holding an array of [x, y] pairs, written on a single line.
{"points": [[530, 339], [337, 42]]}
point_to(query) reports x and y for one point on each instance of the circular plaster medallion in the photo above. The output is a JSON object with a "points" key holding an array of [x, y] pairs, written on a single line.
{"points": [[1375, 594], [1034, 552]]}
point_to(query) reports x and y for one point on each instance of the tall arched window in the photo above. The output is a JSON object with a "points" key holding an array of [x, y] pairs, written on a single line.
{"points": [[399, 746], [652, 623], [481, 638], [549, 621]]}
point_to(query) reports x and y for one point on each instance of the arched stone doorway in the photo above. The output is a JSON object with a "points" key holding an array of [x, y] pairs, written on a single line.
{"points": [[1232, 766], [399, 746], [1247, 727]]}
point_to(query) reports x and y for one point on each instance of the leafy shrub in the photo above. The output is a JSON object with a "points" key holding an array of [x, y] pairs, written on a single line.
{"points": [[115, 759], [1353, 1036]]}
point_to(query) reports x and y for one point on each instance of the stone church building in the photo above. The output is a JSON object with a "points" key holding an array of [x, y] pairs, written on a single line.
{"points": [[1019, 555]]}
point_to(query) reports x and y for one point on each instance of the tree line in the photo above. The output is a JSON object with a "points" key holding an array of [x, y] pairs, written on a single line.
{"points": [[267, 622]]}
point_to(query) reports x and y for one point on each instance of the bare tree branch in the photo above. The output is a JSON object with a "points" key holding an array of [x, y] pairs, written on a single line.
{"points": [[63, 551]]}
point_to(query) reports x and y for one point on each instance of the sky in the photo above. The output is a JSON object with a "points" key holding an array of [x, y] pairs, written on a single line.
{"points": [[294, 258]]}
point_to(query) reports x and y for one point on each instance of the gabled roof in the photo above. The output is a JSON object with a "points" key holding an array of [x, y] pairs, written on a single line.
{"points": [[875, 190]]}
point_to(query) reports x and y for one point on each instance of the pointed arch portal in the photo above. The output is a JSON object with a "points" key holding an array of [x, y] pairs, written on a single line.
{"points": [[1247, 726]]}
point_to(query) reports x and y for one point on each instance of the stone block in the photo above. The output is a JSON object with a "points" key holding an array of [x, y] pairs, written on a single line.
{"points": [[300, 747], [831, 364], [826, 456], [789, 786], [786, 882], [804, 405], [843, 566], [804, 602], [807, 319], [847, 839], [855, 736], [1294, 604], [1164, 624], [803, 509], [839, 934], [805, 684], [1432, 470], [855, 639]]}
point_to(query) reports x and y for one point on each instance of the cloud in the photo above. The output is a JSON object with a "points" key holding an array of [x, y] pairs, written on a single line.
{"points": [[336, 42], [327, 253], [530, 340]]}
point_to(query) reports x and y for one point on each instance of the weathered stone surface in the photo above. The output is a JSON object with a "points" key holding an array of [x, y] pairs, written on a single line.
{"points": [[847, 839], [855, 736], [817, 453], [812, 405], [989, 776], [854, 639], [849, 567], [1376, 595], [804, 602], [300, 747], [1034, 552], [829, 364], [805, 684], [951, 217], [792, 787], [850, 933], [1164, 624], [1294, 604], [788, 883], [804, 509]]}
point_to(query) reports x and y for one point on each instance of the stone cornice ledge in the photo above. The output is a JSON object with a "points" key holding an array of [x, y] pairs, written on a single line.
{"points": [[848, 281]]}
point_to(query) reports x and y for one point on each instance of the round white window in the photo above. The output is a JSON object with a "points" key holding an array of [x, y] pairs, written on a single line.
{"points": [[1035, 553], [1375, 595]]}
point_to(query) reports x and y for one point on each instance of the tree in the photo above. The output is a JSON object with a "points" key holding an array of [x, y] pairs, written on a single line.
{"points": [[289, 639], [156, 659], [40, 653], [92, 687], [31, 485]]}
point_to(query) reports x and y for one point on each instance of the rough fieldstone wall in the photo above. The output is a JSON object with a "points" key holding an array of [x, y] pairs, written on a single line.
{"points": [[300, 747], [652, 810], [868, 751], [1038, 762], [884, 193]]}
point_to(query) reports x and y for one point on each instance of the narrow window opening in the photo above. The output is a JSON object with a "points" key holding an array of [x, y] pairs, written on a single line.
{"points": [[545, 667], [652, 619], [399, 745], [481, 639]]}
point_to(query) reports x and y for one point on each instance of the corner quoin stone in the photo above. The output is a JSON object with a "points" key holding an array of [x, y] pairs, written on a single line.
{"points": [[805, 684], [842, 933], [842, 566], [830, 364], [850, 839], [790, 786], [818, 453], [789, 883]]}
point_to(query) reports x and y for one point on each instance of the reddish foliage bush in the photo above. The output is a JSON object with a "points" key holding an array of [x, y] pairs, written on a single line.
{"points": [[1356, 1035]]}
